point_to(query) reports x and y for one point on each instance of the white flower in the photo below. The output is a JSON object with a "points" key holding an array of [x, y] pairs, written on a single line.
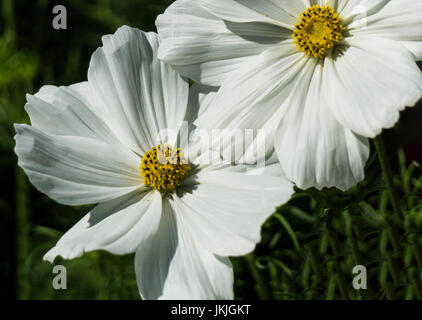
{"points": [[321, 86], [93, 142]]}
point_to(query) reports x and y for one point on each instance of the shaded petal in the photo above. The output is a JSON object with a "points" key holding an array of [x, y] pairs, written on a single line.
{"points": [[368, 83], [251, 96], [199, 95], [252, 102], [190, 143], [227, 207], [415, 47], [118, 226], [205, 48], [172, 265], [313, 148], [253, 147], [136, 95], [76, 170]]}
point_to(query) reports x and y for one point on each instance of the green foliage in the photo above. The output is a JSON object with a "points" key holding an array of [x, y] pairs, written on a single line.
{"points": [[311, 244]]}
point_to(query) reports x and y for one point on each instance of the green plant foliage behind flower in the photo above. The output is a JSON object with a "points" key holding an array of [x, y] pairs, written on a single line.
{"points": [[311, 245]]}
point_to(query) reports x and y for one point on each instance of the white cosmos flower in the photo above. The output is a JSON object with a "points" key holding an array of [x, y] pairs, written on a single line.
{"points": [[86, 145], [321, 86]]}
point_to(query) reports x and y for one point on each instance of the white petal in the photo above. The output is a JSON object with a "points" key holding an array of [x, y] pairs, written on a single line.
{"points": [[313, 148], [172, 265], [254, 95], [227, 207], [199, 97], [137, 95], [190, 143], [118, 226], [369, 82], [254, 147], [254, 99], [66, 111], [76, 170], [281, 12], [415, 47], [205, 48], [399, 20]]}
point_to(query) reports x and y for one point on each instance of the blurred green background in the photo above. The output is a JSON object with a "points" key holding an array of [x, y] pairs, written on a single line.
{"points": [[309, 246]]}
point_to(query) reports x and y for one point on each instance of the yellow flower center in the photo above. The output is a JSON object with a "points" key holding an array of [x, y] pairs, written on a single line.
{"points": [[164, 168], [318, 30]]}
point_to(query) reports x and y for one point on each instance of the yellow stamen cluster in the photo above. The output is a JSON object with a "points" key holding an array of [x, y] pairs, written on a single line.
{"points": [[318, 30], [164, 168]]}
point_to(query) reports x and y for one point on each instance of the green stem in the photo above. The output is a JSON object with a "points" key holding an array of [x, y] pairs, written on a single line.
{"points": [[395, 202], [261, 287], [351, 238], [336, 255], [414, 277], [315, 263], [388, 175]]}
